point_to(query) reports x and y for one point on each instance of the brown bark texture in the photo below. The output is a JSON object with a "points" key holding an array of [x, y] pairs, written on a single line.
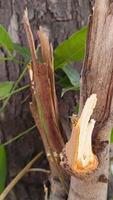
{"points": [[97, 77], [60, 18], [44, 105]]}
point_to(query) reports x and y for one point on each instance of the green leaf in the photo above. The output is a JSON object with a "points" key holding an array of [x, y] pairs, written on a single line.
{"points": [[68, 79], [111, 138], [3, 168], [5, 40], [72, 75], [14, 87], [72, 49], [76, 108], [5, 88], [15, 91], [64, 81], [6, 58], [64, 90], [23, 51]]}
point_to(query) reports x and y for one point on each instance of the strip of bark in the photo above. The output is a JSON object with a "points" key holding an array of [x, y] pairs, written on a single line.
{"points": [[44, 108]]}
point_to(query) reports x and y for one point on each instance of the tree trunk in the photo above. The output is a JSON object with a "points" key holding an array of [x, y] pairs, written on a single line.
{"points": [[60, 18], [97, 77]]}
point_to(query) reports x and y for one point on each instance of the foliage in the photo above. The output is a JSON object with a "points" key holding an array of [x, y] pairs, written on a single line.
{"points": [[76, 109], [23, 51], [5, 88], [71, 49], [111, 137], [5, 40], [3, 167], [73, 75]]}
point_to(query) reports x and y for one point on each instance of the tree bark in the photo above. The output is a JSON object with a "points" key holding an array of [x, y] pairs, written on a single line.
{"points": [[60, 18], [97, 77]]}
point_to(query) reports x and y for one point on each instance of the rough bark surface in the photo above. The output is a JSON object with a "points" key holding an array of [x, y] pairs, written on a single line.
{"points": [[97, 77], [60, 18]]}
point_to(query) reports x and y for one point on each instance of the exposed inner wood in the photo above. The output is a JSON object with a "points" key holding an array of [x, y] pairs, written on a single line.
{"points": [[80, 156]]}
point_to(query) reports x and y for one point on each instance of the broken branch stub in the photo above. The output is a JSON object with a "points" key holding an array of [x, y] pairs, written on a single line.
{"points": [[77, 155], [44, 102]]}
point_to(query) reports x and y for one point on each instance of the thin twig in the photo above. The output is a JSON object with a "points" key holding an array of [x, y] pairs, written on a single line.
{"points": [[39, 170], [46, 192], [19, 135], [18, 177]]}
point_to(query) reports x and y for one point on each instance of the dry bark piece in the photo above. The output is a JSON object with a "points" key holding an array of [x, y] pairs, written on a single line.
{"points": [[43, 90], [79, 156], [44, 104]]}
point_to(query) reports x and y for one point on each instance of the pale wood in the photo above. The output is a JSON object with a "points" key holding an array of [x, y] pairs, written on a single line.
{"points": [[78, 150]]}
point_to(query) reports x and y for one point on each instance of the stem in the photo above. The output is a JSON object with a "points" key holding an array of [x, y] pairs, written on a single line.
{"points": [[44, 104], [18, 177], [14, 87], [6, 58], [39, 170], [46, 192], [15, 91], [19, 135]]}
